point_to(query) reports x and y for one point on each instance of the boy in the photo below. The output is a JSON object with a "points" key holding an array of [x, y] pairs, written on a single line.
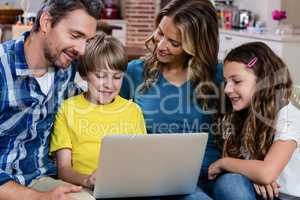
{"points": [[83, 120]]}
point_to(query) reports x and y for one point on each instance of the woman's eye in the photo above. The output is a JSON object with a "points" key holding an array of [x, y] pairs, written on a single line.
{"points": [[175, 44]]}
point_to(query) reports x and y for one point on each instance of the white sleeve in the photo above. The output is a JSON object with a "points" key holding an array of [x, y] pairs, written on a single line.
{"points": [[288, 124]]}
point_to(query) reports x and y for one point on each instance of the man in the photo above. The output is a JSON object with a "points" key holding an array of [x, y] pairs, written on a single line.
{"points": [[36, 74]]}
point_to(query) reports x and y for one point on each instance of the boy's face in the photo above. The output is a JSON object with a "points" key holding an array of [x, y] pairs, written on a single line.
{"points": [[104, 85], [66, 40]]}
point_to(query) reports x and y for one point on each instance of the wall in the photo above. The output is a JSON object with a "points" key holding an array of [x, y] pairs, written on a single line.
{"points": [[33, 6], [292, 7], [139, 16], [264, 10]]}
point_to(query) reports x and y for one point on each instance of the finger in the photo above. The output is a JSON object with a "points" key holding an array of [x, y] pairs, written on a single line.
{"points": [[257, 189], [275, 188], [269, 191], [71, 188], [263, 192]]}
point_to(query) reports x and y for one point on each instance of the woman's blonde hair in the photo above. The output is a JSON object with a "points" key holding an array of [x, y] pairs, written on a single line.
{"points": [[102, 52], [198, 24], [249, 133]]}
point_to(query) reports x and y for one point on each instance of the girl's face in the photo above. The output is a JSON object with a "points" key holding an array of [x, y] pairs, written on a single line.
{"points": [[240, 84], [103, 85], [169, 45]]}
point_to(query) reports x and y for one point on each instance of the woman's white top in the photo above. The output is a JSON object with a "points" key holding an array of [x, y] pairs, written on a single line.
{"points": [[288, 128]]}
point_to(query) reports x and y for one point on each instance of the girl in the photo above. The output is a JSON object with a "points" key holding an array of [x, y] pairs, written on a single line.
{"points": [[260, 130]]}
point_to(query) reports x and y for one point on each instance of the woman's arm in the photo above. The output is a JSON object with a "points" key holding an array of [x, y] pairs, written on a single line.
{"points": [[261, 172], [67, 173]]}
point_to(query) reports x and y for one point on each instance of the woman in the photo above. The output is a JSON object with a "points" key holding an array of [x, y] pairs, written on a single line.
{"points": [[176, 85]]}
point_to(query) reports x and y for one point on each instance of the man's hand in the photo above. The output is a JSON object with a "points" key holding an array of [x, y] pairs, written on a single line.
{"points": [[267, 191], [59, 193]]}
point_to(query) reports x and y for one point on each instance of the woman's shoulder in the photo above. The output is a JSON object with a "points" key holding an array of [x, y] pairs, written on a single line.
{"points": [[219, 74], [136, 66]]}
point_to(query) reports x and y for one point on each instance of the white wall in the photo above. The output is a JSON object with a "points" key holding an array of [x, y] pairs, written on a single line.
{"points": [[264, 10], [34, 4]]}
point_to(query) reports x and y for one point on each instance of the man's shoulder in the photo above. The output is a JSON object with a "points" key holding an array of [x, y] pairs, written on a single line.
{"points": [[7, 48]]}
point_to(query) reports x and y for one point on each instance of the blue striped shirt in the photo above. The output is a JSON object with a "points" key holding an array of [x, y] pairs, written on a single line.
{"points": [[26, 115]]}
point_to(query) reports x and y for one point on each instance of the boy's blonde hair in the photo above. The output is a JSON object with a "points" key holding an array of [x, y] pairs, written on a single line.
{"points": [[103, 52]]}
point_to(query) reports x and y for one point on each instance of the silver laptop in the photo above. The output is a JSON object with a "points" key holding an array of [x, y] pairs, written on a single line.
{"points": [[149, 165]]}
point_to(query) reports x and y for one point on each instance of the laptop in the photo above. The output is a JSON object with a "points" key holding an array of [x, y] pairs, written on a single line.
{"points": [[149, 165]]}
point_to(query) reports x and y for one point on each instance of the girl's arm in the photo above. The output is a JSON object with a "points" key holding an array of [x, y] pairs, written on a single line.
{"points": [[67, 173], [261, 172]]}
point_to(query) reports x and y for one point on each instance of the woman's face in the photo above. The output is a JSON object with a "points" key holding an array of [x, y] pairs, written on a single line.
{"points": [[167, 37]]}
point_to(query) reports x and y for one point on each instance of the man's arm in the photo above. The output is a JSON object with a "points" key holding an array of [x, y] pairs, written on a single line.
{"points": [[14, 191]]}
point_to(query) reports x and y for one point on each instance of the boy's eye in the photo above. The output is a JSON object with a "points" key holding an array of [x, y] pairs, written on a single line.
{"points": [[117, 76], [100, 75]]}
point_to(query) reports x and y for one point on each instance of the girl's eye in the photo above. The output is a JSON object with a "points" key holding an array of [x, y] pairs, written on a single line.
{"points": [[237, 82]]}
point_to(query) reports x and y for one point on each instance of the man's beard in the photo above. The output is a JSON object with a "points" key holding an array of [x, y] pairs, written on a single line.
{"points": [[53, 59]]}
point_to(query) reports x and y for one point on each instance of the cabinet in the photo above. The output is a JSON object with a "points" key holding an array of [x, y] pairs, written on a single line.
{"points": [[287, 47]]}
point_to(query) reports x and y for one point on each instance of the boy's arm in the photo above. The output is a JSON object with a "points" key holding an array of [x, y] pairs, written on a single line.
{"points": [[141, 126], [261, 172], [65, 170]]}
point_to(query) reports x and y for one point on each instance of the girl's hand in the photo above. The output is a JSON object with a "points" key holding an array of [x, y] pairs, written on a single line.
{"points": [[215, 169], [90, 180], [267, 191]]}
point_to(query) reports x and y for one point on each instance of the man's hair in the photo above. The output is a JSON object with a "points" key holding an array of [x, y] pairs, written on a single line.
{"points": [[58, 9], [103, 52]]}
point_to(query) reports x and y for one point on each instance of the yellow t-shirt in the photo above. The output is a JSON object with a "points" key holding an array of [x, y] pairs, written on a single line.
{"points": [[81, 125]]}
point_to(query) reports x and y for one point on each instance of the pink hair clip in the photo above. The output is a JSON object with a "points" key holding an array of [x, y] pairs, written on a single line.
{"points": [[252, 62]]}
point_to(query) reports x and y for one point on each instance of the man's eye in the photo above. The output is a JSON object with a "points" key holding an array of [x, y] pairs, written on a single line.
{"points": [[76, 36]]}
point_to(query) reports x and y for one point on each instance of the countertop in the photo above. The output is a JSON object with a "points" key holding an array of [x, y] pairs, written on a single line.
{"points": [[265, 35]]}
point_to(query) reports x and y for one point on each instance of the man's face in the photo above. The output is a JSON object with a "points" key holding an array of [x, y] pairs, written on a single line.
{"points": [[67, 39]]}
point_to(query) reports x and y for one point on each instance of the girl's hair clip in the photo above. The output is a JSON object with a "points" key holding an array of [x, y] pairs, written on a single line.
{"points": [[252, 62]]}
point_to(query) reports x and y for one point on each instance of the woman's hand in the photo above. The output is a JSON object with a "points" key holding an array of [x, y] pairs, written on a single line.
{"points": [[215, 169], [267, 191], [90, 180]]}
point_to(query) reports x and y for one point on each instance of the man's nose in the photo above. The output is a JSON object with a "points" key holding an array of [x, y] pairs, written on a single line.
{"points": [[80, 47]]}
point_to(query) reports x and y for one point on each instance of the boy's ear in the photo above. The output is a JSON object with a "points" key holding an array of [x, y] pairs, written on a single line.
{"points": [[84, 78], [45, 22]]}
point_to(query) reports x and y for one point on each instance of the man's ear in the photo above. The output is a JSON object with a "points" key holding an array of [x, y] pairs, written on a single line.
{"points": [[45, 22]]}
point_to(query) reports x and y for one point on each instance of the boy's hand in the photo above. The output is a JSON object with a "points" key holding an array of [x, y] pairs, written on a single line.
{"points": [[90, 180], [215, 169], [267, 191]]}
